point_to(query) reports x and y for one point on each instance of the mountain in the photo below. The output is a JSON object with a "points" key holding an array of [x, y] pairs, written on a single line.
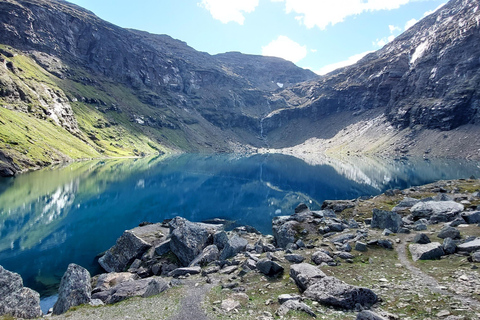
{"points": [[73, 86], [419, 94]]}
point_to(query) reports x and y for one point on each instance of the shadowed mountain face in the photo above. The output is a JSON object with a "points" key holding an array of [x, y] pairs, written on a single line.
{"points": [[103, 90]]}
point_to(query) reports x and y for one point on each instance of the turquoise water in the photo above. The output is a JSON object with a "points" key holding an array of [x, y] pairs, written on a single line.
{"points": [[57, 216]]}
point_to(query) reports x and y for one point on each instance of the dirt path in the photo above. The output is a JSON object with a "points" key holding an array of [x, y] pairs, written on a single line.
{"points": [[191, 303], [425, 280]]}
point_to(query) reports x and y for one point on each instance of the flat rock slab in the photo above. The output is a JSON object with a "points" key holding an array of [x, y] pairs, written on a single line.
{"points": [[305, 275], [184, 271], [470, 246], [437, 210], [132, 288], [331, 291], [429, 251]]}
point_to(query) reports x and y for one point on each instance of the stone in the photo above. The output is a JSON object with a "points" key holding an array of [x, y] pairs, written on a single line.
{"points": [[75, 289], [331, 291], [387, 232], [429, 251], [470, 246], [184, 271], [129, 246], [295, 305], [301, 207], [449, 246], [285, 233], [132, 288], [320, 257], [106, 281], [421, 238], [162, 248], [471, 217], [352, 224], [436, 211], [369, 315], [345, 255], [385, 243], [449, 232], [209, 254], [286, 297], [229, 305], [234, 245], [420, 227], [294, 258], [360, 246], [268, 267], [343, 238], [346, 247], [16, 300], [386, 220], [220, 239], [188, 239], [476, 257], [405, 204], [305, 274]]}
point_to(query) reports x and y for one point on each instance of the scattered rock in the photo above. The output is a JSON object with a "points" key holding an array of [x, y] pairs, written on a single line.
{"points": [[320, 257], [184, 271], [75, 289], [16, 300], [331, 291], [360, 246], [449, 232], [470, 246], [369, 315], [131, 288], [209, 254], [268, 267], [229, 305], [471, 217], [386, 220], [295, 305], [285, 233], [286, 297], [429, 251], [305, 274], [449, 246], [421, 238], [234, 245], [294, 258], [405, 204]]}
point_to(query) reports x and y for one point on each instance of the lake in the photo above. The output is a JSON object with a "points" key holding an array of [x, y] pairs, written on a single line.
{"points": [[71, 213]]}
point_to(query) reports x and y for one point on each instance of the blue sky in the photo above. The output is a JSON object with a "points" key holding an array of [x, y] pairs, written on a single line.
{"points": [[315, 34]]}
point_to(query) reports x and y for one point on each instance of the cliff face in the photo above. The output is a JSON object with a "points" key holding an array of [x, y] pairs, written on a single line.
{"points": [[67, 75], [426, 79]]}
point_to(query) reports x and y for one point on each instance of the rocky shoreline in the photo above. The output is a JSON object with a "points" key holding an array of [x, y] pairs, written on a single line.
{"points": [[408, 254]]}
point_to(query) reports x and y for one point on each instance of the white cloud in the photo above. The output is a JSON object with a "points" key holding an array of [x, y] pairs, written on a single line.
{"points": [[410, 23], [434, 10], [284, 47], [330, 12], [229, 10], [383, 41], [352, 60], [394, 28]]}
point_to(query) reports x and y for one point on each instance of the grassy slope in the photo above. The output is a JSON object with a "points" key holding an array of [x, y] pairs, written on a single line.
{"points": [[33, 140]]}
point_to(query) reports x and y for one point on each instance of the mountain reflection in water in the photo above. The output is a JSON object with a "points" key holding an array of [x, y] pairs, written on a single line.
{"points": [[66, 214]]}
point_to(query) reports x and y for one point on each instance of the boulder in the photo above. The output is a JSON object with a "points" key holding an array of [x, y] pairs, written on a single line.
{"points": [[286, 297], [294, 258], [16, 300], [162, 248], [449, 246], [470, 246], [184, 271], [188, 239], [305, 274], [220, 239], [132, 288], [360, 246], [331, 291], [343, 238], [268, 267], [449, 232], [209, 254], [285, 233], [471, 217], [75, 289], [130, 246], [369, 315], [385, 243], [429, 251], [421, 238], [234, 245], [295, 305], [301, 207], [436, 211], [405, 204], [386, 220], [476, 257], [320, 257], [106, 281]]}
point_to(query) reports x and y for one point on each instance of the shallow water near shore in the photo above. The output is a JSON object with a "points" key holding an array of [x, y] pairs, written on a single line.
{"points": [[70, 214]]}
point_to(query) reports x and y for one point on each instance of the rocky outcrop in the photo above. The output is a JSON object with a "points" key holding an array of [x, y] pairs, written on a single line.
{"points": [[436, 211], [429, 251], [16, 300], [75, 289], [305, 275]]}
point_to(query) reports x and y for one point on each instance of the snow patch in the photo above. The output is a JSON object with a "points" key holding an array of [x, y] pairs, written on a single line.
{"points": [[419, 51], [280, 85]]}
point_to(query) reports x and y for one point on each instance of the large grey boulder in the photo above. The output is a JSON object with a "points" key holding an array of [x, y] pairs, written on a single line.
{"points": [[449, 246], [188, 239], [209, 254], [436, 211], [429, 251], [132, 245], [15, 299], [369, 315], [75, 289], [305, 274], [471, 217], [106, 281], [234, 245], [405, 204], [132, 288], [421, 238], [269, 267], [449, 232], [470, 246], [285, 233], [382, 219], [331, 291], [320, 257]]}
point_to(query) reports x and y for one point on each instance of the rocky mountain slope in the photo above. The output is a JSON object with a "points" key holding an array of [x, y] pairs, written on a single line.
{"points": [[74, 86], [426, 80]]}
